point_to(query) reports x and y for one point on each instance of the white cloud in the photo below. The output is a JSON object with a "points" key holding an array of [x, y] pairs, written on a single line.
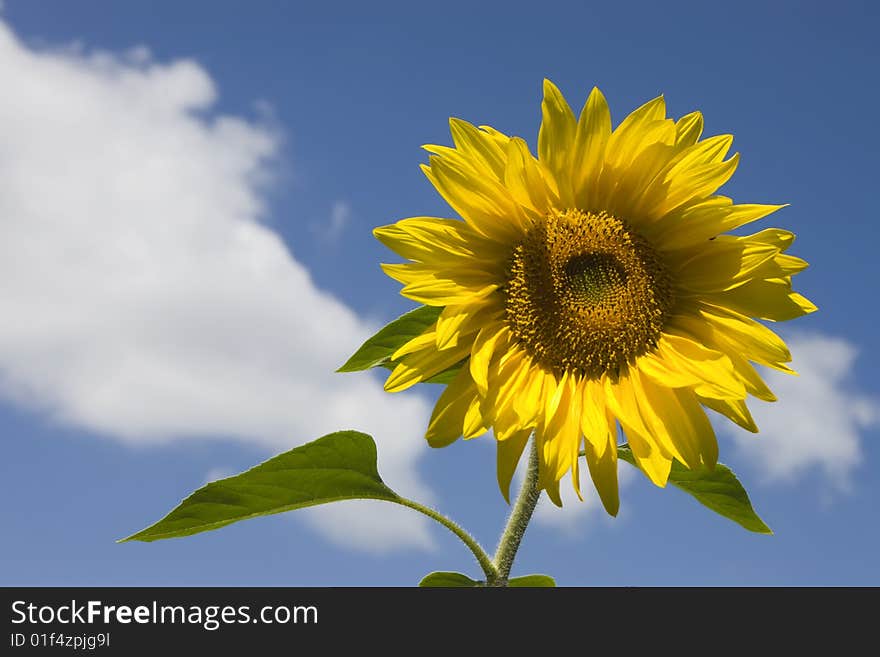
{"points": [[140, 296], [331, 230], [819, 420]]}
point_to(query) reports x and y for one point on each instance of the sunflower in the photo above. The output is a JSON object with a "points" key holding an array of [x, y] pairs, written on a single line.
{"points": [[592, 290]]}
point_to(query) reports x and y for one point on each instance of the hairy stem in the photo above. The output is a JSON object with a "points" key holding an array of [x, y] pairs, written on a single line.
{"points": [[482, 558], [519, 519]]}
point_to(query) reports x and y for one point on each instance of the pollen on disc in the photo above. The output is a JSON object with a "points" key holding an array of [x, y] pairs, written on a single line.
{"points": [[586, 294]]}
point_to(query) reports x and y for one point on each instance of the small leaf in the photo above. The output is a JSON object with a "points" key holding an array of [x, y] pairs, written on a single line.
{"points": [[339, 466], [377, 350], [448, 580], [533, 581], [718, 489]]}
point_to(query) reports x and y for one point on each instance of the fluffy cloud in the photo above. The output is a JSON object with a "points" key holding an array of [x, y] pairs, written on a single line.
{"points": [[331, 230], [820, 417], [141, 297]]}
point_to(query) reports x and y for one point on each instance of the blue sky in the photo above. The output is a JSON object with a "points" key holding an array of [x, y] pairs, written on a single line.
{"points": [[187, 192]]}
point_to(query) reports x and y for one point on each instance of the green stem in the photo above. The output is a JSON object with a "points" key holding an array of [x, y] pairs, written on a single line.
{"points": [[482, 558], [519, 518]]}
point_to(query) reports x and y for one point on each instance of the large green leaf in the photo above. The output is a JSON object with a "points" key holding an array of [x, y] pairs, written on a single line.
{"points": [[339, 466], [532, 581], [718, 489], [377, 350], [448, 580]]}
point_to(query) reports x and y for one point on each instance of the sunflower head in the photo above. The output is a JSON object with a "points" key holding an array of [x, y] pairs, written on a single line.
{"points": [[592, 292], [585, 293]]}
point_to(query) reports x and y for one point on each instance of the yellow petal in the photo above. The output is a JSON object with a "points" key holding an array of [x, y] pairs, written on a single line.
{"points": [[425, 340], [698, 223], [639, 157], [603, 472], [753, 382], [680, 361], [528, 398], [422, 365], [444, 292], [696, 183], [624, 143], [787, 265], [556, 139], [709, 151], [562, 430], [663, 419], [509, 453], [552, 450], [474, 422], [650, 456], [523, 178], [748, 337], [703, 332], [428, 285], [781, 239], [474, 275], [675, 420], [482, 202], [552, 395], [482, 351], [594, 417], [593, 131], [477, 144], [803, 303], [723, 264], [632, 190], [459, 321], [441, 242], [505, 383], [449, 324], [551, 487], [547, 433], [688, 129], [703, 433], [680, 166], [765, 299], [497, 136], [733, 409], [447, 418]]}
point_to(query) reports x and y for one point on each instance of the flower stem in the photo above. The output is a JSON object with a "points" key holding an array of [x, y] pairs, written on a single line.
{"points": [[482, 558], [519, 519]]}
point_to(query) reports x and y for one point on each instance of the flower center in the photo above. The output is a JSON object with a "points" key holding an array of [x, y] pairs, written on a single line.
{"points": [[592, 277], [585, 293]]}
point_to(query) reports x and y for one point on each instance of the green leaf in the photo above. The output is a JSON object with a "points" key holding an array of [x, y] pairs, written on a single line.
{"points": [[532, 581], [457, 580], [449, 580], [378, 350], [339, 466], [718, 489]]}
